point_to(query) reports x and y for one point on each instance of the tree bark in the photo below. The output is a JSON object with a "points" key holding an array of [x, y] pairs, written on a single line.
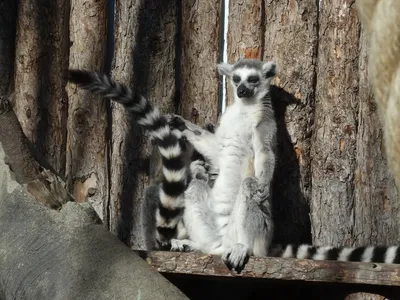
{"points": [[291, 41], [65, 254], [200, 55], [8, 11], [87, 169], [41, 59], [376, 205], [336, 118], [145, 37]]}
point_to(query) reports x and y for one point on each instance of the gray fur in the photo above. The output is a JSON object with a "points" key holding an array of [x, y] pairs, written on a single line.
{"points": [[233, 218]]}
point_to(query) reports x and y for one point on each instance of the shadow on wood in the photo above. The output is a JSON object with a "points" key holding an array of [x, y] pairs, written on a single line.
{"points": [[291, 211]]}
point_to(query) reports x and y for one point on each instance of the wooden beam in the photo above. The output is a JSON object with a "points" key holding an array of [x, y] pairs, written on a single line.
{"points": [[276, 268]]}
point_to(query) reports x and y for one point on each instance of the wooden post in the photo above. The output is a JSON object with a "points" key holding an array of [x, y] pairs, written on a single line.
{"points": [[291, 41], [336, 117], [41, 59], [200, 55], [87, 173], [145, 36]]}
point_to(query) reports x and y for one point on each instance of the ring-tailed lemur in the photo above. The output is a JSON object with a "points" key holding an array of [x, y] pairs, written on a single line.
{"points": [[234, 218], [200, 169], [176, 165]]}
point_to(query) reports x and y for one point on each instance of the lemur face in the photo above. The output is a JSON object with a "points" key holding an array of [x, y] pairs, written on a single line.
{"points": [[246, 82], [249, 77]]}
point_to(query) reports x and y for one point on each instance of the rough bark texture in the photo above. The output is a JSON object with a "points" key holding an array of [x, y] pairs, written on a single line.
{"points": [[200, 55], [41, 59], [47, 254], [276, 268], [336, 119], [87, 120], [144, 59], [8, 11], [245, 33], [290, 41], [376, 205]]}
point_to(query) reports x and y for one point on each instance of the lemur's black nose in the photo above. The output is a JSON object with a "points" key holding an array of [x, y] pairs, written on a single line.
{"points": [[243, 91]]}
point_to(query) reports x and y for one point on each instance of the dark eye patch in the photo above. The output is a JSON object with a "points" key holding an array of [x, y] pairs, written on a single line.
{"points": [[253, 79], [236, 79]]}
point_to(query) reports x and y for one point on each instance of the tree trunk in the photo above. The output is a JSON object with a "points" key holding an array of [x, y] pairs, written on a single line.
{"points": [[290, 41], [41, 59], [200, 54], [87, 168], [65, 254], [336, 117], [145, 35]]}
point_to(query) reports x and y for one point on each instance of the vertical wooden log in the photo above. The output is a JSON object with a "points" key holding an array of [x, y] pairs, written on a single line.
{"points": [[41, 59], [291, 41], [87, 120], [245, 33], [200, 55], [336, 118], [8, 21], [145, 59], [376, 205]]}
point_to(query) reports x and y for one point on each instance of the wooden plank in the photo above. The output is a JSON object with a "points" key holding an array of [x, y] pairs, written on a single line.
{"points": [[276, 268]]}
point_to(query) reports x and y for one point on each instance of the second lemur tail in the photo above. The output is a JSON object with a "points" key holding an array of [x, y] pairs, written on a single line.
{"points": [[376, 254], [175, 171]]}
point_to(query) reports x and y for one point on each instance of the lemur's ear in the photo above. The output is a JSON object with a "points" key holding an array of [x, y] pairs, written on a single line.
{"points": [[225, 69], [269, 69]]}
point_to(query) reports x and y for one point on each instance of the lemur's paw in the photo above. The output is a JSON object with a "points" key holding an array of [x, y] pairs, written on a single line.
{"points": [[198, 170], [262, 194], [176, 121], [180, 246], [236, 257]]}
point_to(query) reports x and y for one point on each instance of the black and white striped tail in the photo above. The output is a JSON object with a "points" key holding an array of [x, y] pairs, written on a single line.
{"points": [[377, 254], [175, 171]]}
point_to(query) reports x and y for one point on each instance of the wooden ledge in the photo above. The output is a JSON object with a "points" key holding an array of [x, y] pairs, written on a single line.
{"points": [[276, 268]]}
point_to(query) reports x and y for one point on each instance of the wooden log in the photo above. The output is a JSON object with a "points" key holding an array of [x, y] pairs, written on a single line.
{"points": [[376, 205], [145, 37], [200, 55], [276, 268], [87, 119], [290, 39], [41, 58], [336, 116]]}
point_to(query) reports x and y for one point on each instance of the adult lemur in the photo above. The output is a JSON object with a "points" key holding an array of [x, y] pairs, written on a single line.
{"points": [[233, 218]]}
